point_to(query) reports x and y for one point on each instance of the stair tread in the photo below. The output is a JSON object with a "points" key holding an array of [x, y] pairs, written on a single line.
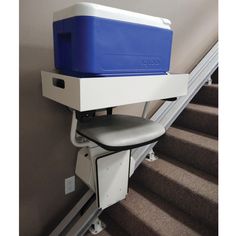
{"points": [[192, 148], [207, 95], [194, 180], [195, 138], [188, 129], [203, 108], [214, 86], [201, 118], [158, 216]]}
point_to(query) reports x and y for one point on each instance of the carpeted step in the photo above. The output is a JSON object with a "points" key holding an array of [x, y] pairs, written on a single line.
{"points": [[188, 189], [214, 77], [112, 228], [144, 213], [196, 150], [200, 118], [208, 95]]}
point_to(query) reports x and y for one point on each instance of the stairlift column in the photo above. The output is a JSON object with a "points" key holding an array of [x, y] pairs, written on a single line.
{"points": [[106, 173]]}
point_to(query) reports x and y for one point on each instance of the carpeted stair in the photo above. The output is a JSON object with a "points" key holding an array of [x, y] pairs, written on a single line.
{"points": [[178, 193]]}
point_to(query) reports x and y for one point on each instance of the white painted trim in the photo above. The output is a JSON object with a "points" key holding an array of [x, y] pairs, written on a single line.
{"points": [[91, 9], [169, 111]]}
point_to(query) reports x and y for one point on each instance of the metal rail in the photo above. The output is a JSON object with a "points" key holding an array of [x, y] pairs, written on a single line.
{"points": [[78, 221]]}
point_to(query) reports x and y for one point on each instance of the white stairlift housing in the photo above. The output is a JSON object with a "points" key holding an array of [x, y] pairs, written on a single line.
{"points": [[104, 162]]}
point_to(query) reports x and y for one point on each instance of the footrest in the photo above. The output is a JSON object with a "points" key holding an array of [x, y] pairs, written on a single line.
{"points": [[120, 132]]}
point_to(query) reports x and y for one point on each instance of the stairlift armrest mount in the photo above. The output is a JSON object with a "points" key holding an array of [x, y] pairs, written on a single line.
{"points": [[73, 134]]}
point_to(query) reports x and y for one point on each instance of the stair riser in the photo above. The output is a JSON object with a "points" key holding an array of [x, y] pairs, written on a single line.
{"points": [[190, 202], [199, 121], [215, 77], [123, 217], [207, 96], [189, 153]]}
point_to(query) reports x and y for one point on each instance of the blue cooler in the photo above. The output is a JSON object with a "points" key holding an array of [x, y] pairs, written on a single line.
{"points": [[94, 40]]}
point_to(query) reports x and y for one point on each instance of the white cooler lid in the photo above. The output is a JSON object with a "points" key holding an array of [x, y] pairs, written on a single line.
{"points": [[91, 9]]}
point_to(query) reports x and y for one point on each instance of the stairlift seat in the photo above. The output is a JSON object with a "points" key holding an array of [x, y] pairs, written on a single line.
{"points": [[120, 132]]}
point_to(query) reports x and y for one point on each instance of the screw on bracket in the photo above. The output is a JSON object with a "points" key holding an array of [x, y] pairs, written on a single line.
{"points": [[97, 226], [151, 156]]}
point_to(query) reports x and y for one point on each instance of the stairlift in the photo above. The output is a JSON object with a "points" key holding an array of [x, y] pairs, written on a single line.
{"points": [[104, 161]]}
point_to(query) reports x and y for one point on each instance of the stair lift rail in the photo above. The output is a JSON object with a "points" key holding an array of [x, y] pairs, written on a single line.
{"points": [[169, 111], [78, 221]]}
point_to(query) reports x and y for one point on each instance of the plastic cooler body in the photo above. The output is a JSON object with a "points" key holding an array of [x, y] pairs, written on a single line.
{"points": [[95, 46]]}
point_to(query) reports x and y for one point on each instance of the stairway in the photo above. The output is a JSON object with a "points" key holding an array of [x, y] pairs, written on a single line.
{"points": [[178, 193]]}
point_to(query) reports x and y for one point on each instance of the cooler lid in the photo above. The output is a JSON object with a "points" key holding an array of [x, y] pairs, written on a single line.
{"points": [[92, 9]]}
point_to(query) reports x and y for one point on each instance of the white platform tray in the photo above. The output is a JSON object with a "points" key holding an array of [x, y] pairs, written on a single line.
{"points": [[84, 94]]}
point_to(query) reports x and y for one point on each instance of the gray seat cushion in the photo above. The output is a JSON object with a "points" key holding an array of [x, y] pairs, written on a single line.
{"points": [[120, 132]]}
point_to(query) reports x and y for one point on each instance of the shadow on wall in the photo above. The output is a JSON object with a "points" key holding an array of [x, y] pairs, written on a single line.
{"points": [[46, 155]]}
